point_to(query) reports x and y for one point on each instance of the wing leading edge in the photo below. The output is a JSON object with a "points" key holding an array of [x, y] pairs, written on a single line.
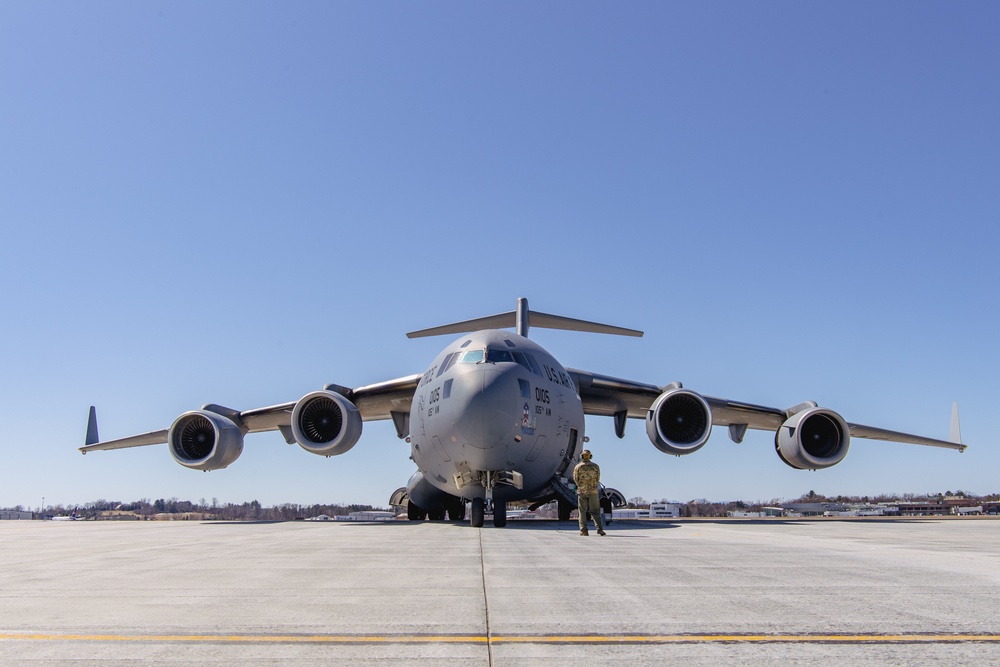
{"points": [[383, 400], [615, 397]]}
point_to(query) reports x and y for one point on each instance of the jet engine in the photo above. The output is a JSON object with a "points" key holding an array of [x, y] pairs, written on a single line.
{"points": [[813, 439], [203, 440], [326, 423], [679, 422]]}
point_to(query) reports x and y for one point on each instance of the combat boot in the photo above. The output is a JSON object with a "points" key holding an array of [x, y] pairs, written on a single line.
{"points": [[601, 532], [584, 532]]}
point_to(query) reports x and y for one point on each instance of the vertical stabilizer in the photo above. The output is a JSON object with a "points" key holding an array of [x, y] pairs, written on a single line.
{"points": [[521, 317]]}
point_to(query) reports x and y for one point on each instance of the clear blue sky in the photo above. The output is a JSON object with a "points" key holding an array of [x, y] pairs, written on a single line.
{"points": [[239, 202]]}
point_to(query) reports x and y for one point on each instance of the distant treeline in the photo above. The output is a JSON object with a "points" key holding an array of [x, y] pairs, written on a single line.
{"points": [[708, 508], [249, 511], [254, 511]]}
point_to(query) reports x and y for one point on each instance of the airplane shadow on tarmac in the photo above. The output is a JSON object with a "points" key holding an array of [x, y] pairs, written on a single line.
{"points": [[533, 524], [513, 524], [619, 524]]}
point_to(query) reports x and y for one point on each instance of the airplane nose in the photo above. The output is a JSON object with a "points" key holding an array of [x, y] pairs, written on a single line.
{"points": [[491, 409]]}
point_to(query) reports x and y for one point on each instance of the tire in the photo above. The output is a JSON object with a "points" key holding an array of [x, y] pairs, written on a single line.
{"points": [[477, 515], [499, 513], [414, 513], [565, 509], [456, 512], [606, 507]]}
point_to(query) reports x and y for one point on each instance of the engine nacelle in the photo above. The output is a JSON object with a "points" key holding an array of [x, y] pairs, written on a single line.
{"points": [[326, 423], [813, 439], [679, 422], [203, 440]]}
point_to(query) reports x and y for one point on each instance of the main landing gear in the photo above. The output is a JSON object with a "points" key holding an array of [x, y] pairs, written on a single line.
{"points": [[565, 508], [414, 512], [454, 511]]}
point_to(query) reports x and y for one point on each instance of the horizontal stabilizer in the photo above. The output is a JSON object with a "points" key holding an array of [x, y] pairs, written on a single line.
{"points": [[546, 321], [501, 321], [521, 320]]}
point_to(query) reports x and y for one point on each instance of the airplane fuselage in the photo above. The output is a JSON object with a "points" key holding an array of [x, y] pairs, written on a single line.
{"points": [[494, 402]]}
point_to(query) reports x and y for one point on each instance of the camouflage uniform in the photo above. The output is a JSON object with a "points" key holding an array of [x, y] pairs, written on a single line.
{"points": [[587, 475]]}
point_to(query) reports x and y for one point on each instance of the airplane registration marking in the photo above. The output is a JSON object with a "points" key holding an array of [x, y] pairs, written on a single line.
{"points": [[523, 639]]}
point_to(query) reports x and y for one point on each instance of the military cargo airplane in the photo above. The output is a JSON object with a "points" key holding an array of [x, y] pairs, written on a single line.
{"points": [[496, 418]]}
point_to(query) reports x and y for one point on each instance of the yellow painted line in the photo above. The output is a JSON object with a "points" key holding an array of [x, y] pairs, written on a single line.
{"points": [[276, 639], [760, 639], [518, 639]]}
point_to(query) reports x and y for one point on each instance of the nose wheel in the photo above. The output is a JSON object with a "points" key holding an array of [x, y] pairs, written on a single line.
{"points": [[499, 513], [477, 516]]}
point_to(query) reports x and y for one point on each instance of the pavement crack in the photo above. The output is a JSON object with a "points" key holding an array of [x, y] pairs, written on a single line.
{"points": [[486, 600]]}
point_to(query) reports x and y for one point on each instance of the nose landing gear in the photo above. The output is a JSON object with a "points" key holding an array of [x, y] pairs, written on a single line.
{"points": [[477, 516], [490, 479]]}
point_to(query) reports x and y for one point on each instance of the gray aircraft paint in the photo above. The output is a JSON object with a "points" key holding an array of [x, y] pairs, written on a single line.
{"points": [[472, 416], [497, 418]]}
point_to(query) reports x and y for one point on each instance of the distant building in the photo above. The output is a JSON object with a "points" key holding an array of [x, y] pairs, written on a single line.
{"points": [[664, 511], [11, 515], [369, 515], [655, 511], [765, 512], [923, 508], [814, 509]]}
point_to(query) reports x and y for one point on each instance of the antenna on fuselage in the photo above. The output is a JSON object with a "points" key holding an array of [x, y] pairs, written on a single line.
{"points": [[522, 319]]}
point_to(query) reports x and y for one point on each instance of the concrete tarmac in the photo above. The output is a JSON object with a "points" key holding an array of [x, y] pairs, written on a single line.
{"points": [[737, 592]]}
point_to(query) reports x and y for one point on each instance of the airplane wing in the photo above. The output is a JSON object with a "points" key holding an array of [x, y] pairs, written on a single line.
{"points": [[384, 400], [618, 398]]}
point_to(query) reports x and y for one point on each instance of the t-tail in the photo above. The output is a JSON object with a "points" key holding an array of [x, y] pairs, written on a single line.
{"points": [[521, 320]]}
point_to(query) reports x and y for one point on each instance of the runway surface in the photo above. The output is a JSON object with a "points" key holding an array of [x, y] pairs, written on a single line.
{"points": [[852, 592]]}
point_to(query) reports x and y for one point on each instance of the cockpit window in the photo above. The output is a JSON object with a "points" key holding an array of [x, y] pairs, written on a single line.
{"points": [[495, 355], [528, 362], [522, 358], [447, 363], [474, 356]]}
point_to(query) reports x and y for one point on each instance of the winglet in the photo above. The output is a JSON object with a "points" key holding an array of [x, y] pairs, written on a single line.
{"points": [[955, 432], [92, 437]]}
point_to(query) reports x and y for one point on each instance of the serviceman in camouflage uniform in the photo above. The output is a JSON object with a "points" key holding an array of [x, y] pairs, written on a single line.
{"points": [[587, 476]]}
